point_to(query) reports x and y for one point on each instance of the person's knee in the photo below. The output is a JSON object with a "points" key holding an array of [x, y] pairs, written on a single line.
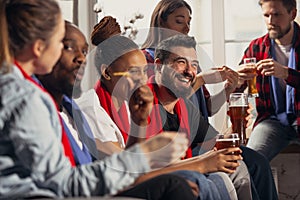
{"points": [[169, 179], [227, 181], [254, 158], [241, 176], [172, 182]]}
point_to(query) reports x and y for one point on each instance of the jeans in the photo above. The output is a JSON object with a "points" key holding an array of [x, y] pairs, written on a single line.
{"points": [[166, 186], [211, 186], [269, 137], [242, 181], [263, 185], [261, 177], [240, 178]]}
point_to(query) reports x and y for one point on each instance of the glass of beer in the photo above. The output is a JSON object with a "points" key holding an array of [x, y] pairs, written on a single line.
{"points": [[238, 106], [252, 90], [227, 141]]}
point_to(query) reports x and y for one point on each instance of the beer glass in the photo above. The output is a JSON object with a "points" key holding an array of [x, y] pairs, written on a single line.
{"points": [[252, 90], [227, 141], [238, 106]]}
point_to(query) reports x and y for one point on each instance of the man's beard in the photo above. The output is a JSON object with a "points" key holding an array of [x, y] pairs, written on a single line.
{"points": [[278, 34], [175, 90]]}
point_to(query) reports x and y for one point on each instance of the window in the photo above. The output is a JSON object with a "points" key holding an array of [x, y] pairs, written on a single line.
{"points": [[243, 22], [67, 9]]}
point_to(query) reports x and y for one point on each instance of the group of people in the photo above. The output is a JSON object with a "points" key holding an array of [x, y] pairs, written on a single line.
{"points": [[140, 131]]}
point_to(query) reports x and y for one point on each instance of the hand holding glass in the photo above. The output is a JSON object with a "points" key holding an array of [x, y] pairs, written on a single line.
{"points": [[230, 140], [227, 141], [252, 90]]}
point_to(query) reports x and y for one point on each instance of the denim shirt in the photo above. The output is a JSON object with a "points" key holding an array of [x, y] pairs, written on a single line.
{"points": [[32, 161]]}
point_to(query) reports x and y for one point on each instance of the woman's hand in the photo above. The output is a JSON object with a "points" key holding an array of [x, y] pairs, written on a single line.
{"points": [[140, 105], [165, 148]]}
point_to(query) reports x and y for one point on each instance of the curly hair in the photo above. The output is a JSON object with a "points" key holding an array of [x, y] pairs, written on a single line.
{"points": [[106, 28]]}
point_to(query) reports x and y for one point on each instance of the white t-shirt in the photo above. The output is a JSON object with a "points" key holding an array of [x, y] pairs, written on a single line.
{"points": [[100, 122], [282, 56]]}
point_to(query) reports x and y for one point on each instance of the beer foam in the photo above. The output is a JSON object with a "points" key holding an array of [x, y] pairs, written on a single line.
{"points": [[234, 106], [227, 139]]}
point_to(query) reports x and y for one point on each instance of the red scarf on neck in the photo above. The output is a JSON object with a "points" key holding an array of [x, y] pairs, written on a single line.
{"points": [[155, 122], [119, 117], [64, 139]]}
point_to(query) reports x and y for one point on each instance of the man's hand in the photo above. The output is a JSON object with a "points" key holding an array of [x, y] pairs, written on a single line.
{"points": [[270, 67], [221, 160]]}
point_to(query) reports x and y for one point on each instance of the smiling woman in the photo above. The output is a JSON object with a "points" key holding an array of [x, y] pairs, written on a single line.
{"points": [[111, 85]]}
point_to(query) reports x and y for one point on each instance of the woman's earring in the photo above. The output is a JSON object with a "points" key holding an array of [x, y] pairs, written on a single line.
{"points": [[106, 76]]}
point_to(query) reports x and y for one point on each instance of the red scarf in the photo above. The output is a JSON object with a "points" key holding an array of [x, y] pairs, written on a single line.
{"points": [[155, 122], [121, 117], [64, 139]]}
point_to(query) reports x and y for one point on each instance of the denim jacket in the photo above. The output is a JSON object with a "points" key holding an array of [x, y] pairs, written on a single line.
{"points": [[32, 162]]}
